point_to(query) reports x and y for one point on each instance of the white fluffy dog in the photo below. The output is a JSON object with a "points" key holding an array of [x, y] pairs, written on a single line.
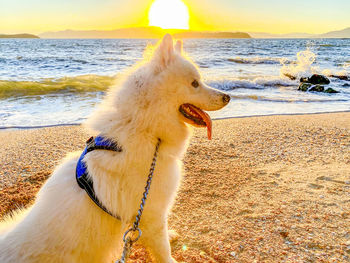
{"points": [[158, 99]]}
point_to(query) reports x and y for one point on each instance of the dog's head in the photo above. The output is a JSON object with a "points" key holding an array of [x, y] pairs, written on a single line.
{"points": [[163, 94], [180, 83]]}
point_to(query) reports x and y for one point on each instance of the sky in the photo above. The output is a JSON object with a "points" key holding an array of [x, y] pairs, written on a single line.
{"points": [[273, 16]]}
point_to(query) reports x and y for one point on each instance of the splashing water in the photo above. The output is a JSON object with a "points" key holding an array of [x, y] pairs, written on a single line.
{"points": [[303, 66]]}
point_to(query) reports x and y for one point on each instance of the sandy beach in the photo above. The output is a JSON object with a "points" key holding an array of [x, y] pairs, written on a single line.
{"points": [[265, 189]]}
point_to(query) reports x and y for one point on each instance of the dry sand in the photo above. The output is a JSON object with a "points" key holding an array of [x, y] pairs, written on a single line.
{"points": [[265, 189]]}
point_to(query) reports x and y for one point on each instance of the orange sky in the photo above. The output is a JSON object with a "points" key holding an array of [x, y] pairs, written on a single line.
{"points": [[275, 16]]}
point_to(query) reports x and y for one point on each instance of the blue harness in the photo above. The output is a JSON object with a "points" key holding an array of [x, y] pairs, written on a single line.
{"points": [[81, 173]]}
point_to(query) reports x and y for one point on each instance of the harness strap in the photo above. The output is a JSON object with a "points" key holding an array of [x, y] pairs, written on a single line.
{"points": [[81, 172]]}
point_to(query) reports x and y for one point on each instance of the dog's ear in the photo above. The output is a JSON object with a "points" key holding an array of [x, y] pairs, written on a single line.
{"points": [[178, 46], [165, 52]]}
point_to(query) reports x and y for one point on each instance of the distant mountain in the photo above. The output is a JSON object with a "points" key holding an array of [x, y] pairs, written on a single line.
{"points": [[345, 33], [141, 32], [136, 32], [199, 34], [157, 32], [18, 36], [290, 35]]}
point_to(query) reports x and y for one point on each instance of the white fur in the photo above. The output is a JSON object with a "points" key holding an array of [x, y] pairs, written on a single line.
{"points": [[64, 225]]}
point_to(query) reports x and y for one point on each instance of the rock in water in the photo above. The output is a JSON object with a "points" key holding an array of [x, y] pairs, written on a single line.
{"points": [[317, 88], [341, 77], [316, 79], [304, 86], [319, 79], [330, 90]]}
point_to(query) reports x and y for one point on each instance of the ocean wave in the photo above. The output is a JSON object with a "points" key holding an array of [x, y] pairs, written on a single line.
{"points": [[80, 61], [96, 83], [256, 83], [83, 83], [328, 45], [259, 60], [117, 59], [92, 83]]}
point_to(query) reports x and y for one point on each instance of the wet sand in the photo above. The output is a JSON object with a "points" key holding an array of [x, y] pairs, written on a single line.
{"points": [[265, 189]]}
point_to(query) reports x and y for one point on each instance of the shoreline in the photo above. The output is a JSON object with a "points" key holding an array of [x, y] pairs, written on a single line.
{"points": [[264, 189], [38, 126], [214, 119]]}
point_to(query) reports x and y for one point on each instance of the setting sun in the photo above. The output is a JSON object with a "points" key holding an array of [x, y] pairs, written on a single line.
{"points": [[169, 14]]}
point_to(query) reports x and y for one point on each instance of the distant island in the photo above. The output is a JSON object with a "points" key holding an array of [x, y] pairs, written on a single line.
{"points": [[141, 32], [18, 36]]}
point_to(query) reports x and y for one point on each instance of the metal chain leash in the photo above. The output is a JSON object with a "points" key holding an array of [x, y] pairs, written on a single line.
{"points": [[127, 239]]}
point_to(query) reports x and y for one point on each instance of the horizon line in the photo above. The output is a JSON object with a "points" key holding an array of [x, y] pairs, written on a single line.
{"points": [[174, 29]]}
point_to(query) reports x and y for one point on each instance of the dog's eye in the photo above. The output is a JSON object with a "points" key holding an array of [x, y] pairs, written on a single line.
{"points": [[195, 83]]}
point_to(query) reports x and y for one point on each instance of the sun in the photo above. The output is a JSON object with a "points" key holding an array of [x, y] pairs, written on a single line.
{"points": [[169, 14]]}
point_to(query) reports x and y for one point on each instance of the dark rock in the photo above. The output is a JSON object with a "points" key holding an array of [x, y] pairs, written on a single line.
{"points": [[317, 88], [330, 90], [340, 77], [304, 86], [316, 79], [319, 79]]}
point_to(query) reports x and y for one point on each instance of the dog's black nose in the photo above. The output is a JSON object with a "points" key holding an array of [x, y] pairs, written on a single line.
{"points": [[226, 98]]}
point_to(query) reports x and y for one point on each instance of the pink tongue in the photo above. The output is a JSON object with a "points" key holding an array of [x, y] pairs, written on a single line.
{"points": [[207, 120]]}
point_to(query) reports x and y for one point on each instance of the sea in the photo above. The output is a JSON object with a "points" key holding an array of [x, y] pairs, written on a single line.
{"points": [[48, 82]]}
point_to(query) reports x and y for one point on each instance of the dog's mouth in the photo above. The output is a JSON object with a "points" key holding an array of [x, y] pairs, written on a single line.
{"points": [[196, 117]]}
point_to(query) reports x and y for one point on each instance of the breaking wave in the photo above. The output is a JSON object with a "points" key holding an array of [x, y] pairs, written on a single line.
{"points": [[95, 83], [79, 84], [256, 83], [259, 60]]}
